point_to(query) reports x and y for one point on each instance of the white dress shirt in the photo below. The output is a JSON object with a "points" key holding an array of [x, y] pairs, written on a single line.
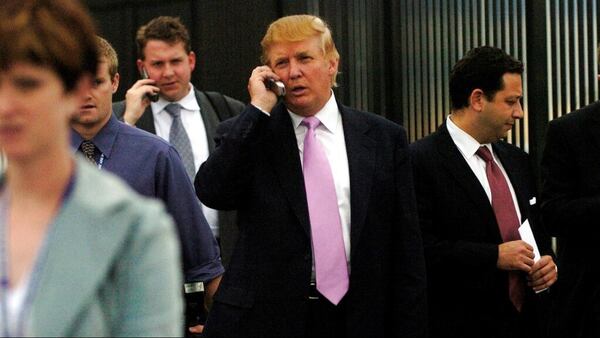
{"points": [[194, 126], [15, 303], [330, 133], [468, 146]]}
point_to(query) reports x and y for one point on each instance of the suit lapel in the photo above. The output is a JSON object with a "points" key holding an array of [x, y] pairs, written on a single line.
{"points": [[209, 117], [78, 257], [361, 151], [456, 165], [286, 163], [146, 121]]}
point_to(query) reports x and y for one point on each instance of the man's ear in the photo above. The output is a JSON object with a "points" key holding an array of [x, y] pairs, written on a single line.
{"points": [[115, 83], [476, 99], [140, 64], [192, 60]]}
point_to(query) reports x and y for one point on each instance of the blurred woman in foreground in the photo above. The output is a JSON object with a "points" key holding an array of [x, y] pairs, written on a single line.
{"points": [[80, 254]]}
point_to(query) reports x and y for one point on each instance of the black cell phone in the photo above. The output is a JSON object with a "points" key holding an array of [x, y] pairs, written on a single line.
{"points": [[276, 87], [151, 97]]}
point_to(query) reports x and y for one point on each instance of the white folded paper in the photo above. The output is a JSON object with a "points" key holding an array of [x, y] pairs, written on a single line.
{"points": [[527, 235]]}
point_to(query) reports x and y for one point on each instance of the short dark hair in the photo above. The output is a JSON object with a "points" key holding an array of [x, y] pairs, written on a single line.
{"points": [[482, 68], [164, 28], [58, 34]]}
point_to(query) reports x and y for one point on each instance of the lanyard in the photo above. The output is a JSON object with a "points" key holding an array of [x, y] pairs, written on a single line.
{"points": [[35, 276], [101, 161]]}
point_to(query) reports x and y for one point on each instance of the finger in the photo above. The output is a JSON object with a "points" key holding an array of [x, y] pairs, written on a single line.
{"points": [[530, 254], [264, 72], [151, 89], [197, 329], [527, 246], [523, 267], [143, 82], [545, 283], [536, 269], [537, 275], [527, 261], [542, 266], [260, 70], [545, 279]]}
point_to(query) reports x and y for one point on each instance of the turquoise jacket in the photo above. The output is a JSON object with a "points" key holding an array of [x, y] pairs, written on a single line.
{"points": [[112, 266]]}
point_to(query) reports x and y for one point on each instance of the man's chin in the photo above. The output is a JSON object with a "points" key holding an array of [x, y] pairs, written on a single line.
{"points": [[172, 95], [86, 121]]}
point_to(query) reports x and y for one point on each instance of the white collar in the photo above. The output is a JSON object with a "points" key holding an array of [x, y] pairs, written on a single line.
{"points": [[467, 145], [329, 115], [188, 102]]}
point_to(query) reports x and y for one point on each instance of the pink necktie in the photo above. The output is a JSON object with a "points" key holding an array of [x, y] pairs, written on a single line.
{"points": [[506, 216], [326, 227]]}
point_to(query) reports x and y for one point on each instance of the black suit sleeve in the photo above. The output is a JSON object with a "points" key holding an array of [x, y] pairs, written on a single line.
{"points": [[221, 180], [410, 277], [566, 210]]}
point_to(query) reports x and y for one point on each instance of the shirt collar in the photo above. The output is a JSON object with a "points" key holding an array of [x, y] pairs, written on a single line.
{"points": [[188, 102], [467, 145], [329, 115], [104, 140]]}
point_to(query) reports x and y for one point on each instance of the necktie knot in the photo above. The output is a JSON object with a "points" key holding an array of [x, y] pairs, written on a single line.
{"points": [[311, 122], [485, 154], [174, 109], [89, 149]]}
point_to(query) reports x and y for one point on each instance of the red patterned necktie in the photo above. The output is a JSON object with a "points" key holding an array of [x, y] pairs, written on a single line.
{"points": [[506, 216]]}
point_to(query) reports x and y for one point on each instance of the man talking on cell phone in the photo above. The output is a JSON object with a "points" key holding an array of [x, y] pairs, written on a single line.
{"points": [[329, 241], [182, 115]]}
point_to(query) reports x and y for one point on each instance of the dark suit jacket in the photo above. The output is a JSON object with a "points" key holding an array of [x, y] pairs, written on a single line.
{"points": [[256, 169], [228, 231], [571, 210], [468, 294]]}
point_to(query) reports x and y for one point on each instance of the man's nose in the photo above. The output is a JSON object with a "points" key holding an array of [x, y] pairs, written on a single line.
{"points": [[168, 70], [295, 69], [518, 112]]}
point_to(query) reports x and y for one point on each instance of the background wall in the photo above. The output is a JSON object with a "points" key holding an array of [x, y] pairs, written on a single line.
{"points": [[396, 55]]}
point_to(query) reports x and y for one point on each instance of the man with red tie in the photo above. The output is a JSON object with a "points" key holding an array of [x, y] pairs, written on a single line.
{"points": [[329, 242], [473, 193]]}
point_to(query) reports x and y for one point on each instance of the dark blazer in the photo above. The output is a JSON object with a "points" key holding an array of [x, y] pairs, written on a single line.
{"points": [[228, 231], [256, 169], [571, 210], [468, 294]]}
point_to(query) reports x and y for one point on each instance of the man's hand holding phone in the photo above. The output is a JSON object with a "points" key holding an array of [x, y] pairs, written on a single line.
{"points": [[137, 99], [262, 88]]}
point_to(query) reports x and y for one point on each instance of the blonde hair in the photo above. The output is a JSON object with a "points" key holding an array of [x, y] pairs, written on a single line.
{"points": [[106, 51], [296, 28]]}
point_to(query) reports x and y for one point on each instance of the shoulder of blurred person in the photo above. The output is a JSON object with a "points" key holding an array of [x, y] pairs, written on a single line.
{"points": [[121, 263]]}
